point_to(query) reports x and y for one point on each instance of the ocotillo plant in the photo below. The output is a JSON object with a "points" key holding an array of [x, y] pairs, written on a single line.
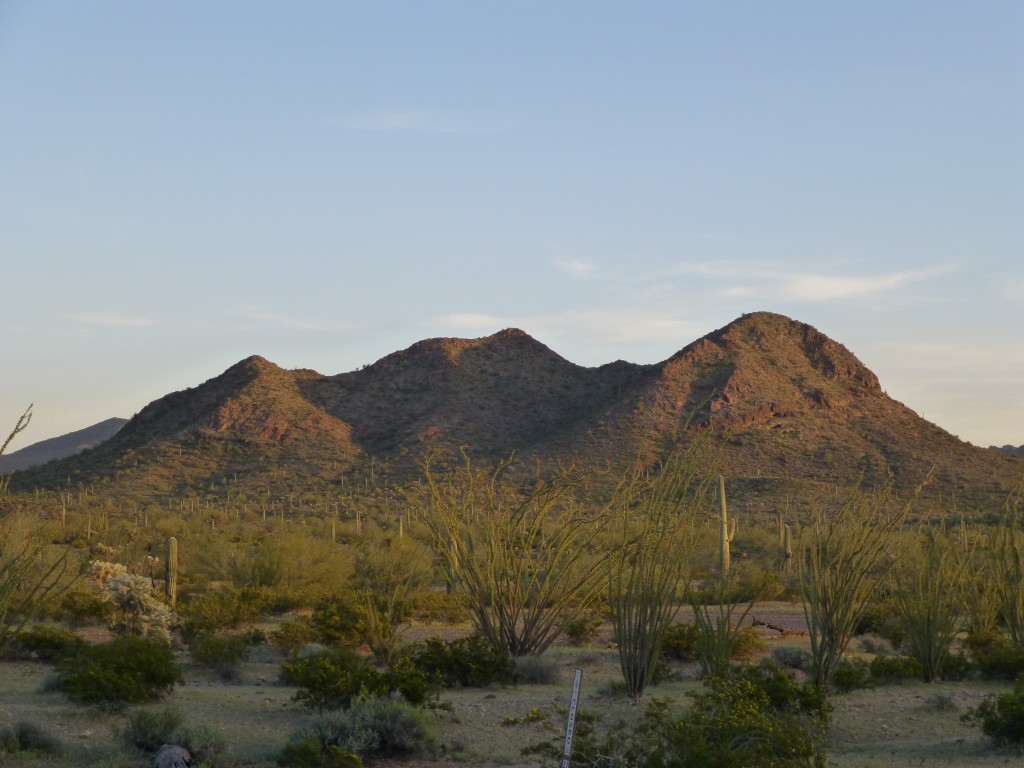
{"points": [[787, 549], [728, 531], [171, 583]]}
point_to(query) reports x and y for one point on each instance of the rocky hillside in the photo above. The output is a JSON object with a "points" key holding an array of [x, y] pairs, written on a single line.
{"points": [[792, 405]]}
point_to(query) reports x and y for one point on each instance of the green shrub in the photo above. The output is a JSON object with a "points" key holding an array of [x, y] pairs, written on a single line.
{"points": [[48, 644], [583, 629], [681, 642], [467, 661], [747, 644], [411, 683], [895, 669], [336, 621], [852, 675], [1001, 717], [207, 612], [957, 667], [441, 607], [216, 652], [125, 670], [995, 656], [401, 729], [379, 728], [752, 716], [304, 750], [80, 606], [290, 636], [333, 679]]}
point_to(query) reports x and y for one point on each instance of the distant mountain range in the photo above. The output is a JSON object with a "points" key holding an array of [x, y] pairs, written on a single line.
{"points": [[60, 447], [794, 407]]}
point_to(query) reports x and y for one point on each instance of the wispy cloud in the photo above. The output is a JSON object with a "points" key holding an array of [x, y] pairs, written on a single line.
{"points": [[575, 267], [111, 320], [311, 325], [408, 121], [828, 288]]}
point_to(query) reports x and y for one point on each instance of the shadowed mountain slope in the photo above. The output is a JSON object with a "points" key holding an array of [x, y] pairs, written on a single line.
{"points": [[60, 447]]}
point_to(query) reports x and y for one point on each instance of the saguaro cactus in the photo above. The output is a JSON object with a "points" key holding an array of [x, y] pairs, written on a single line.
{"points": [[728, 530], [787, 549], [171, 582]]}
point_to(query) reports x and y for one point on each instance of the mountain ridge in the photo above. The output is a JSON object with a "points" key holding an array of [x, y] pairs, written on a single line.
{"points": [[791, 404]]}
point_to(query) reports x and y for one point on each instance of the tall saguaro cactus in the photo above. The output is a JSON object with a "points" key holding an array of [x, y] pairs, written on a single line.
{"points": [[728, 530], [171, 582]]}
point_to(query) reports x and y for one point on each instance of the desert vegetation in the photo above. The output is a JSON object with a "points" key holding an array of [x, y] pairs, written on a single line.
{"points": [[439, 620]]}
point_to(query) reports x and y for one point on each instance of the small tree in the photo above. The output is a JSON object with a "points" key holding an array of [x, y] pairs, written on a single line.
{"points": [[523, 553], [841, 562]]}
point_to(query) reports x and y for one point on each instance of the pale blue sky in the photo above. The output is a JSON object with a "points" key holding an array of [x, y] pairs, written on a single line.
{"points": [[183, 184]]}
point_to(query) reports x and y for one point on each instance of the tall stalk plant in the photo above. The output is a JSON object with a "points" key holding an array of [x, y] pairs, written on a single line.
{"points": [[931, 592], [844, 556], [656, 511], [524, 554], [1008, 566]]}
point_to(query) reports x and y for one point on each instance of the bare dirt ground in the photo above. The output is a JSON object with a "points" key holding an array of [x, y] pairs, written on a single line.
{"points": [[914, 724]]}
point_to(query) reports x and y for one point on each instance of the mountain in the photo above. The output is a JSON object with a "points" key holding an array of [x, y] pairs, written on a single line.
{"points": [[60, 447], [795, 409], [1011, 450]]}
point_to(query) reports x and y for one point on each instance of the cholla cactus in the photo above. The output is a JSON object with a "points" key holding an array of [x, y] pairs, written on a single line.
{"points": [[139, 611]]}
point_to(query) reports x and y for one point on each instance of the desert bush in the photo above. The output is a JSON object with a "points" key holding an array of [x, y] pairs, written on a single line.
{"points": [[886, 670], [333, 679], [211, 611], [583, 629], [24, 736], [80, 606], [336, 620], [852, 675], [794, 658], [1001, 717], [470, 661], [305, 750], [372, 728], [411, 683], [214, 650], [149, 729], [537, 670], [441, 607], [995, 656], [126, 670], [48, 644], [681, 642], [400, 728], [752, 716], [290, 636]]}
